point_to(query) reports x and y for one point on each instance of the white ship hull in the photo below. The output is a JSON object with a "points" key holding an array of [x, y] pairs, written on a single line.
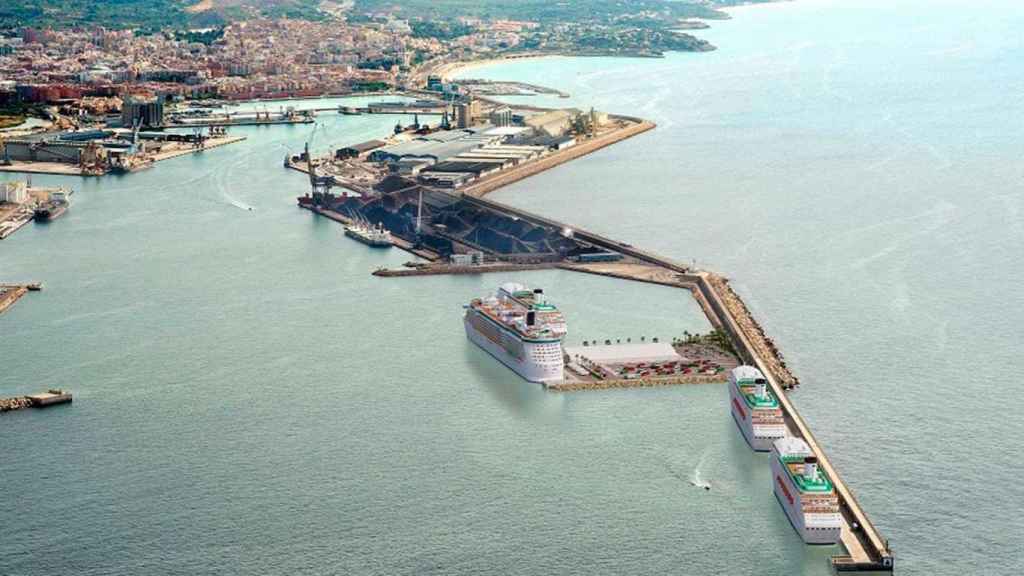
{"points": [[759, 436], [535, 361], [821, 528]]}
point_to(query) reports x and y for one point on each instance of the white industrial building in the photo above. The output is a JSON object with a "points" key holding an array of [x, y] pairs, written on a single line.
{"points": [[14, 192]]}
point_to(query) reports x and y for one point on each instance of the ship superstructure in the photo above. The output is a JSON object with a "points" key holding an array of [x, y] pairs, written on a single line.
{"points": [[755, 408], [520, 328], [805, 492]]}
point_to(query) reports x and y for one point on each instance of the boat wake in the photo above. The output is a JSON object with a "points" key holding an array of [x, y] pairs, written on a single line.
{"points": [[696, 479], [237, 204]]}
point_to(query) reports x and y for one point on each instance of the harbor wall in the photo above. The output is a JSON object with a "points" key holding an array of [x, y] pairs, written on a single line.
{"points": [[506, 177], [878, 555]]}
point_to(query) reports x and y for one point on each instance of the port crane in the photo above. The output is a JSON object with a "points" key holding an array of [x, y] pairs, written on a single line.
{"points": [[320, 185]]}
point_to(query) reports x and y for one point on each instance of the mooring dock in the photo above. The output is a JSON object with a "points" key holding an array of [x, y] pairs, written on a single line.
{"points": [[10, 293]]}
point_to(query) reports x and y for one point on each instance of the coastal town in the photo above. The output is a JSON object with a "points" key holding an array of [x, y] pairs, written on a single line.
{"points": [[72, 74]]}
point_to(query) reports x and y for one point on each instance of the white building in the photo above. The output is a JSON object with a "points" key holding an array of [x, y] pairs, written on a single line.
{"points": [[14, 192]]}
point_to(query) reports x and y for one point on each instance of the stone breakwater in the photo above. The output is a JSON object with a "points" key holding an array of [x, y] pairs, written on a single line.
{"points": [[10, 404], [764, 346]]}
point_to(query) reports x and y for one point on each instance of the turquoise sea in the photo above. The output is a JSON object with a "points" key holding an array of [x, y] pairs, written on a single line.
{"points": [[249, 400]]}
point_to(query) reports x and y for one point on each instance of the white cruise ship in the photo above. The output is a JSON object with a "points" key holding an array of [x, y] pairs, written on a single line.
{"points": [[805, 492], [755, 408], [520, 328]]}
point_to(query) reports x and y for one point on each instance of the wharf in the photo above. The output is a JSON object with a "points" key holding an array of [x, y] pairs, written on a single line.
{"points": [[577, 385], [207, 145], [401, 243], [440, 268], [13, 221], [67, 169], [11, 293], [253, 122], [60, 168]]}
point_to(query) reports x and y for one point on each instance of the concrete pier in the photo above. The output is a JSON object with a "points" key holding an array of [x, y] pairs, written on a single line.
{"points": [[11, 293]]}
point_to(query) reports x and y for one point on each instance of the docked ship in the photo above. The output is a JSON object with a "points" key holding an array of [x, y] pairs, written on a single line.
{"points": [[377, 236], [521, 329], [54, 207], [755, 408], [805, 492]]}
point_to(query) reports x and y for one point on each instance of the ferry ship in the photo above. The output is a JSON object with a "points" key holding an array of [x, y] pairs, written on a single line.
{"points": [[805, 492], [755, 408], [521, 329], [376, 236]]}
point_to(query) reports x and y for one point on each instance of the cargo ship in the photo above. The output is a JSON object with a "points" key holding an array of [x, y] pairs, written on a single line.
{"points": [[805, 492], [376, 236], [53, 208], [521, 329], [755, 408]]}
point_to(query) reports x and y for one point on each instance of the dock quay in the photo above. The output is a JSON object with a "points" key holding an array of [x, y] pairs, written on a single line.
{"points": [[253, 122], [577, 385], [399, 242], [440, 269], [12, 222], [69, 165], [51, 397], [11, 293]]}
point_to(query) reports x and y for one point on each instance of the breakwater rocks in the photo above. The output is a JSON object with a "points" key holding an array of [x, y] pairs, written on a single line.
{"points": [[10, 404], [51, 397], [762, 344]]}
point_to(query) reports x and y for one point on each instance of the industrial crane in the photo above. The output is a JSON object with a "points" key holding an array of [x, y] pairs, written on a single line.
{"points": [[321, 185]]}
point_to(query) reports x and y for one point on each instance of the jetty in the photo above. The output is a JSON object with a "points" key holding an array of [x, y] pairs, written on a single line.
{"points": [[52, 397], [11, 293]]}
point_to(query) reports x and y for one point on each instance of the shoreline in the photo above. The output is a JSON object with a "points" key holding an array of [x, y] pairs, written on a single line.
{"points": [[447, 70]]}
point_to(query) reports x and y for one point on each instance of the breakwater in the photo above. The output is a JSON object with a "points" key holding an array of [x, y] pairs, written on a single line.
{"points": [[632, 127], [51, 397]]}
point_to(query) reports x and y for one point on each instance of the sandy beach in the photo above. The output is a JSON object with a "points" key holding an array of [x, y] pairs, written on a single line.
{"points": [[447, 71]]}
